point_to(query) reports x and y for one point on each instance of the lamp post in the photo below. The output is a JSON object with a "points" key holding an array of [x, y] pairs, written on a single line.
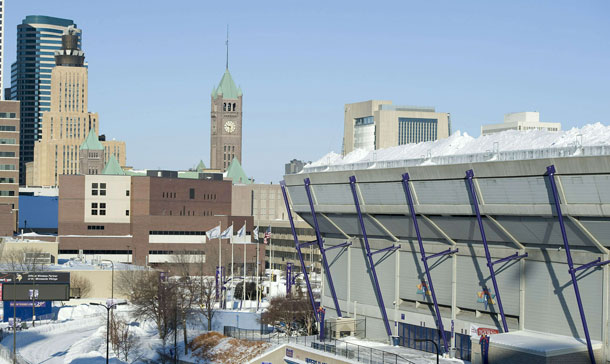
{"points": [[108, 307], [433, 342]]}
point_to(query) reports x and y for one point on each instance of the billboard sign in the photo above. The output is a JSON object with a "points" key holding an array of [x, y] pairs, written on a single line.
{"points": [[46, 292], [35, 277]]}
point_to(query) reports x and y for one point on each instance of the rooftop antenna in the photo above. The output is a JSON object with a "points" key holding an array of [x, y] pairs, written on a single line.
{"points": [[227, 43]]}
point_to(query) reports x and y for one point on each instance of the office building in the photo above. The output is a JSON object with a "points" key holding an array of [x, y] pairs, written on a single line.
{"points": [[70, 131], [528, 120], [38, 37], [294, 166], [226, 123], [147, 219], [9, 167], [2, 52], [265, 203], [376, 124]]}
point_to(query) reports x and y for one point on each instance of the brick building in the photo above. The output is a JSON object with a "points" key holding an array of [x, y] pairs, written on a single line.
{"points": [[148, 219], [9, 167]]}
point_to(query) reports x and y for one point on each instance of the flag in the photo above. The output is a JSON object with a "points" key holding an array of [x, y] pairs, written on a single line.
{"points": [[213, 233], [267, 235], [227, 233], [255, 233], [242, 232]]}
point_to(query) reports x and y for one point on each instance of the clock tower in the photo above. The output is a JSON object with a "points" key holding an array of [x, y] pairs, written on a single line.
{"points": [[226, 126]]}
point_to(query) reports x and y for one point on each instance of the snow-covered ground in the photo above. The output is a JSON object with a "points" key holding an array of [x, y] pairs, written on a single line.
{"points": [[591, 135]]}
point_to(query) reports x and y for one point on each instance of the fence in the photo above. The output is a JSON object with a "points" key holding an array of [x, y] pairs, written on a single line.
{"points": [[359, 353]]}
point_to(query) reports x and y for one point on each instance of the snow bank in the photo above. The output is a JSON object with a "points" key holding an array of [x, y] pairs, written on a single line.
{"points": [[80, 311], [591, 135]]}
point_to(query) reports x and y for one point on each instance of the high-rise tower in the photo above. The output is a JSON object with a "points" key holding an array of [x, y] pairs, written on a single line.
{"points": [[38, 37], [2, 50], [68, 123], [226, 121]]}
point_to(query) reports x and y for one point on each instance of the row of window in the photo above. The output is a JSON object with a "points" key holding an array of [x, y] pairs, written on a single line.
{"points": [[8, 167], [95, 227], [411, 130], [227, 106], [73, 251], [8, 141], [7, 193], [161, 232], [182, 252], [101, 210], [7, 127], [98, 189], [7, 180], [7, 154]]}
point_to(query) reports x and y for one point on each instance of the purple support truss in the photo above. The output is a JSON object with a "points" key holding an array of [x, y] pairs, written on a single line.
{"points": [[298, 248], [490, 263], [288, 278], [369, 255], [316, 227], [424, 259], [550, 172]]}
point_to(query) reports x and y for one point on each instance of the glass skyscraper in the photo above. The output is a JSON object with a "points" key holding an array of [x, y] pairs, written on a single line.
{"points": [[38, 37]]}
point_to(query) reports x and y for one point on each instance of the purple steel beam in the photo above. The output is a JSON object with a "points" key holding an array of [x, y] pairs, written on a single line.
{"points": [[384, 314], [288, 278], [597, 262], [510, 257], [392, 248], [307, 243], [475, 203], [296, 245], [439, 319], [347, 243], [550, 172], [321, 247], [444, 252]]}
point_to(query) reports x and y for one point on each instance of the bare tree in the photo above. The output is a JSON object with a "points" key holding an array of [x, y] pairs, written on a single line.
{"points": [[294, 312], [80, 284], [183, 267], [152, 298], [26, 259], [206, 298], [123, 339]]}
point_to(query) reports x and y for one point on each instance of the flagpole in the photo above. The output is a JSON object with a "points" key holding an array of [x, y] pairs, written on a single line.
{"points": [[257, 262], [220, 261], [232, 276]]}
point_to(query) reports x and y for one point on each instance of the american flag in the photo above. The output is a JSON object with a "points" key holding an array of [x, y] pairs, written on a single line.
{"points": [[267, 235]]}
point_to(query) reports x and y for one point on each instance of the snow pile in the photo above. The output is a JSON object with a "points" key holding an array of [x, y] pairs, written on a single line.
{"points": [[591, 135], [216, 348], [79, 312]]}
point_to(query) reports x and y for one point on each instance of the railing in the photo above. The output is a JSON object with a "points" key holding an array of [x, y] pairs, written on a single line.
{"points": [[488, 156], [359, 353]]}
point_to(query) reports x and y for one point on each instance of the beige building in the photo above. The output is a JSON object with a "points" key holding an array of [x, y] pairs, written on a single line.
{"points": [[527, 120], [266, 204], [377, 124], [68, 123], [9, 166]]}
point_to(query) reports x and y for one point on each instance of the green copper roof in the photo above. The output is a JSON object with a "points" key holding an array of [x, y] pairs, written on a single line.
{"points": [[227, 88], [113, 167], [92, 142], [201, 166], [237, 174]]}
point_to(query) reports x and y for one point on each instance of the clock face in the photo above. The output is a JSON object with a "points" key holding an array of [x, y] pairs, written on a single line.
{"points": [[229, 126]]}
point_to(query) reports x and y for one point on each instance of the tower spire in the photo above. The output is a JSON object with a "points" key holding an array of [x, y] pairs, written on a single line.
{"points": [[227, 43]]}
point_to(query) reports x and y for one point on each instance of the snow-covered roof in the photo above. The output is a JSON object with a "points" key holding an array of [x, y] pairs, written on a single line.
{"points": [[591, 139]]}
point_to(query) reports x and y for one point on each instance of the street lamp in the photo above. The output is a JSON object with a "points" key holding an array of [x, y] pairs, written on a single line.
{"points": [[433, 342], [108, 306]]}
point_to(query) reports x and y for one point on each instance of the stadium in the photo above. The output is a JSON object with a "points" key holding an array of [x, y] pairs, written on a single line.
{"points": [[512, 244]]}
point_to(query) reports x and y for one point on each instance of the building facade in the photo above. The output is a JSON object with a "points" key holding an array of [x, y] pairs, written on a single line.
{"points": [[265, 203], [38, 37], [9, 167], [527, 120], [68, 124], [513, 242], [2, 96], [226, 123], [147, 220], [377, 124], [294, 166]]}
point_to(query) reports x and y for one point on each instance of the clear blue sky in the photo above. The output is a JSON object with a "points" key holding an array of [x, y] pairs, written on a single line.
{"points": [[152, 65]]}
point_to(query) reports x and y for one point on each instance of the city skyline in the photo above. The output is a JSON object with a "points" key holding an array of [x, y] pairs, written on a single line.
{"points": [[298, 65]]}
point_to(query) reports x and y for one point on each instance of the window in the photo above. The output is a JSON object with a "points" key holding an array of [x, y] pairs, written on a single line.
{"points": [[7, 180], [7, 193], [94, 208], [103, 208], [102, 189], [95, 227], [8, 128], [7, 141], [94, 189], [191, 193], [126, 212], [127, 193]]}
